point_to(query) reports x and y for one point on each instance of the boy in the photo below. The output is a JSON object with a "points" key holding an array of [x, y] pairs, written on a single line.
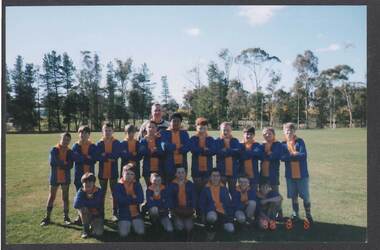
{"points": [[182, 201], [129, 196], [150, 149], [268, 205], [244, 200], [61, 162], [270, 164], [176, 144], [129, 151], [296, 172], [157, 202], [215, 203], [86, 151], [249, 158], [108, 148], [89, 202], [227, 155]]}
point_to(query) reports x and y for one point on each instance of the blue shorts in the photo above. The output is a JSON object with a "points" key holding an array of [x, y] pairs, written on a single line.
{"points": [[298, 187]]}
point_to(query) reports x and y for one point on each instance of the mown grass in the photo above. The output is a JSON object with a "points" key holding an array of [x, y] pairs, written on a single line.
{"points": [[338, 178]]}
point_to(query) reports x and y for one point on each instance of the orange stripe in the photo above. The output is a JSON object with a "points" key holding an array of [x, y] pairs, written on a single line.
{"points": [[296, 171], [153, 160], [248, 168], [61, 178], [228, 160], [107, 163], [265, 168], [215, 191], [244, 197], [181, 195], [132, 146], [202, 160], [176, 139], [85, 147], [129, 189]]}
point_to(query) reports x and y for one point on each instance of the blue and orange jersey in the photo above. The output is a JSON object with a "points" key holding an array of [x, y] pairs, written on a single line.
{"points": [[270, 164], [295, 165], [215, 198], [129, 153], [94, 203], [175, 145], [61, 162], [151, 150], [240, 199], [250, 155], [182, 196], [202, 149], [87, 153], [161, 201], [129, 196], [227, 156], [108, 154]]}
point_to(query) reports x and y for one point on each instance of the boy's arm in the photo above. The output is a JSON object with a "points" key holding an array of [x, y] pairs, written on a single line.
{"points": [[285, 155], [301, 154], [276, 152], [236, 147], [211, 150], [185, 143], [54, 160], [194, 148], [78, 157]]}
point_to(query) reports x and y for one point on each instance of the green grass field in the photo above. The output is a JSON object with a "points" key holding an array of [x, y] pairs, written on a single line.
{"points": [[338, 178]]}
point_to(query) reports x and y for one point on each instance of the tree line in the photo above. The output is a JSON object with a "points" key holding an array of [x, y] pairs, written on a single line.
{"points": [[59, 96]]}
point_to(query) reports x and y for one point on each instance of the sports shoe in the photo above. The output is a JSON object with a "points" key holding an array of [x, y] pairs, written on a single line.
{"points": [[295, 217], [66, 220], [114, 218], [78, 221], [84, 234], [45, 221], [309, 218]]}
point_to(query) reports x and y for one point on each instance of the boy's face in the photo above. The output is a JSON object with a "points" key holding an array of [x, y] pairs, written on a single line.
{"points": [[248, 136], [156, 180], [88, 185], [128, 175], [131, 134], [265, 189], [201, 128], [152, 129], [215, 178], [175, 123], [244, 183], [65, 141], [180, 173], [289, 133], [156, 112], [107, 132], [84, 136], [268, 135], [226, 130]]}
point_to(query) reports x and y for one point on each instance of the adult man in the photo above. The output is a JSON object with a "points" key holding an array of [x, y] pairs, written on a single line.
{"points": [[156, 117]]}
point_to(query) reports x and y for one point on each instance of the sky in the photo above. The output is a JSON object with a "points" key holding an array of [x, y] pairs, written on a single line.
{"points": [[174, 39]]}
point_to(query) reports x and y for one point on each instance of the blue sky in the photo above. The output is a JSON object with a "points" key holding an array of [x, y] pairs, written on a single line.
{"points": [[173, 39]]}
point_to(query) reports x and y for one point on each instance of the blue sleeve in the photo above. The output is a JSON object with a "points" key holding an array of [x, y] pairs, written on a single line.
{"points": [[211, 148], [143, 147], [194, 148], [149, 198], [167, 146], [159, 149], [285, 155], [93, 154], [236, 201], [185, 143], [193, 196], [100, 150], [123, 152], [301, 155], [78, 158], [115, 150], [276, 152], [203, 201], [170, 190], [121, 199], [139, 194], [139, 155], [165, 198], [219, 149], [53, 158], [78, 200], [235, 147]]}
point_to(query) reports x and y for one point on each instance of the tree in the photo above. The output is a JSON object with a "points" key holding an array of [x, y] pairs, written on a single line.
{"points": [[307, 68], [275, 78], [70, 109], [259, 63], [110, 90], [321, 101], [165, 95], [122, 72], [8, 95], [68, 72], [237, 102], [228, 60], [24, 115]]}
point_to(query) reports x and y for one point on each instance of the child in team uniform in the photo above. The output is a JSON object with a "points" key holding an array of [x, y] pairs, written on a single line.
{"points": [[176, 144], [151, 150], [215, 203], [296, 172], [268, 205], [270, 164], [89, 203], [227, 155], [157, 202], [182, 201], [61, 162], [129, 151], [109, 151], [249, 158], [129, 196], [87, 152], [244, 200]]}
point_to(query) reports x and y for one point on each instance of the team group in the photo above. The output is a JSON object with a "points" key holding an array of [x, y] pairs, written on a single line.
{"points": [[243, 188]]}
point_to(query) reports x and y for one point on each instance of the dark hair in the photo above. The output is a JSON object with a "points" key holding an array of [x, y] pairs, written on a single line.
{"points": [[107, 125], [249, 129], [201, 121], [270, 129], [176, 115], [66, 134], [129, 166], [88, 177], [130, 128], [214, 170], [84, 129]]}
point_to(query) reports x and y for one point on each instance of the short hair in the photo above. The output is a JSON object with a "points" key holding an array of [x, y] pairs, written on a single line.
{"points": [[88, 177], [223, 124], [155, 105], [243, 176], [176, 115], [215, 170], [289, 125], [249, 129], [180, 166], [154, 175], [66, 134], [84, 129], [107, 125], [270, 129], [150, 122], [201, 121], [129, 166], [130, 128]]}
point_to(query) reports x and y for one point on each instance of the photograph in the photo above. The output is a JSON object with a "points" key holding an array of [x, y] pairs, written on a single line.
{"points": [[185, 123]]}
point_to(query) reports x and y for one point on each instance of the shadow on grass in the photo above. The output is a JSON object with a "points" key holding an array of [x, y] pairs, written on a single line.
{"points": [[319, 232]]}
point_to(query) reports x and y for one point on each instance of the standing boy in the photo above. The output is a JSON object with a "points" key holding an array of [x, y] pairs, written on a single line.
{"points": [[129, 151]]}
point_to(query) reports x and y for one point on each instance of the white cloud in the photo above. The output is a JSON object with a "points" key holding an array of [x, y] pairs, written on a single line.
{"points": [[193, 32], [258, 15], [331, 47]]}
